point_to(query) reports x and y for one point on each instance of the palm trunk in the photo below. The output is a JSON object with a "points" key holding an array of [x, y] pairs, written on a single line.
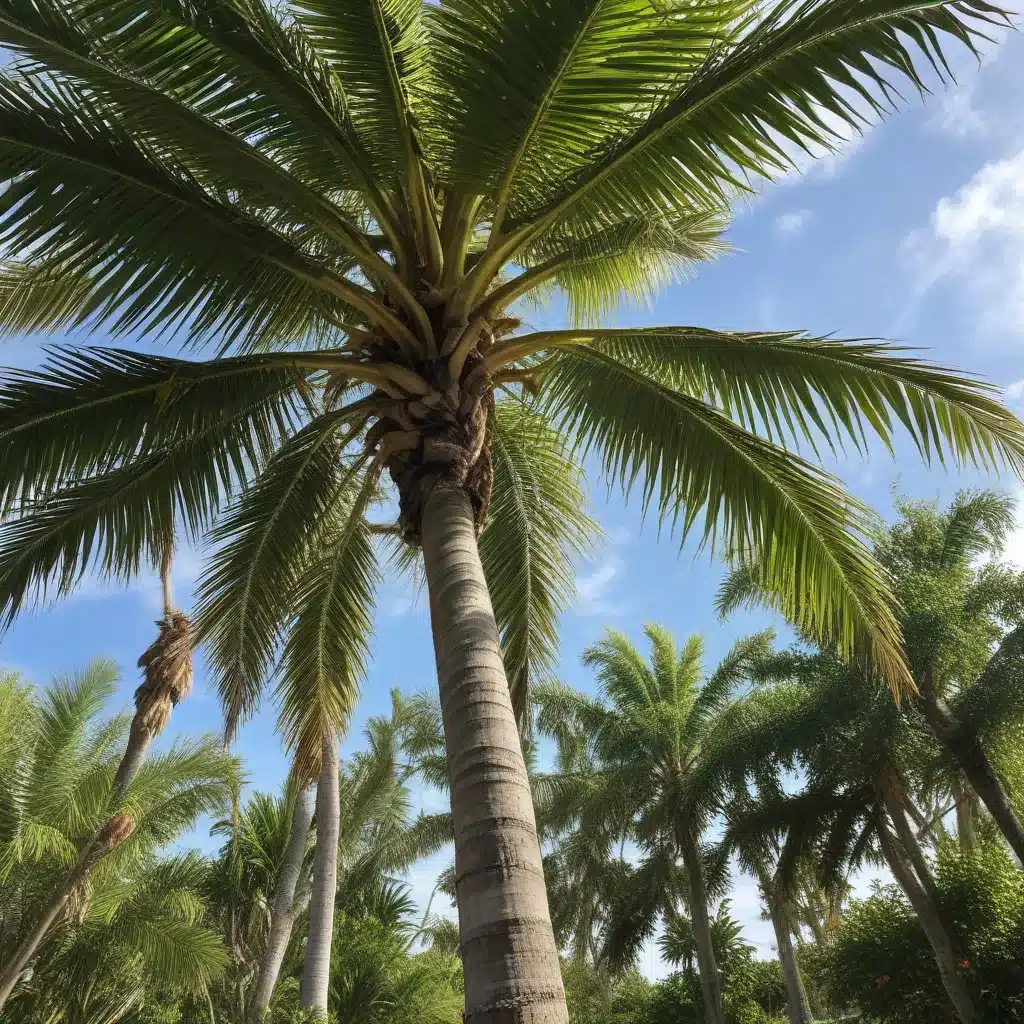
{"points": [[140, 735], [796, 994], [316, 969], [932, 926], [968, 752], [894, 798], [965, 832], [284, 910], [509, 956], [710, 985]]}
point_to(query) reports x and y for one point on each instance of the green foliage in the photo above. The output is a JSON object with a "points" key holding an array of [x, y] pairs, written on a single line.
{"points": [[137, 928], [880, 963]]}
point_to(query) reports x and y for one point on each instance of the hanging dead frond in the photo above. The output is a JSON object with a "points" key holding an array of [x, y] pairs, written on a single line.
{"points": [[116, 830], [167, 665]]}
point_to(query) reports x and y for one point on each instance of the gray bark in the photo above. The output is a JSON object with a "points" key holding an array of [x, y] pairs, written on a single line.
{"points": [[932, 926], [967, 750], [707, 967], [509, 956], [799, 1006], [965, 831], [316, 968], [283, 910]]}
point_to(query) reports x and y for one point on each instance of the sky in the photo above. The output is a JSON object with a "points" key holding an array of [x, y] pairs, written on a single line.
{"points": [[914, 232]]}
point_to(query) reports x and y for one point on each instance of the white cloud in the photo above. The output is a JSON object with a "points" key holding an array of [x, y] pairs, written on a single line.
{"points": [[793, 222], [1015, 390], [957, 115], [592, 588], [1014, 549], [975, 239]]}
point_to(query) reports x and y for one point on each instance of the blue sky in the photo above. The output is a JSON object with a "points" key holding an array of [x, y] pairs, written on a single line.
{"points": [[914, 232]]}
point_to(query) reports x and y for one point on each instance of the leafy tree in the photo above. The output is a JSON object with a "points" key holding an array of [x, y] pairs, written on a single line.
{"points": [[880, 964], [858, 752], [61, 772], [349, 198], [646, 739]]}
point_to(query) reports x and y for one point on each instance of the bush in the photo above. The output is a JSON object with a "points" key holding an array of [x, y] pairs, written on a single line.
{"points": [[882, 967]]}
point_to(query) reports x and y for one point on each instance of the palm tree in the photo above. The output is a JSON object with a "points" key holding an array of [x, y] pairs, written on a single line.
{"points": [[349, 199], [167, 679], [955, 611], [140, 933], [859, 753], [297, 807], [648, 736], [268, 857], [56, 799], [960, 619]]}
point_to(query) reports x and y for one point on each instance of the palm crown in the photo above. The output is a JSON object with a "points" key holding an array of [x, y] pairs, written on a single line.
{"points": [[349, 197]]}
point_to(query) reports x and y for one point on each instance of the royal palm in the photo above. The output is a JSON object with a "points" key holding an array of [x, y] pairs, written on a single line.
{"points": [[348, 198]]}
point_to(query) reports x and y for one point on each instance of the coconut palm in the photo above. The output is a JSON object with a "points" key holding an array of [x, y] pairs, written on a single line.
{"points": [[56, 799], [348, 199], [167, 679], [859, 753], [648, 736]]}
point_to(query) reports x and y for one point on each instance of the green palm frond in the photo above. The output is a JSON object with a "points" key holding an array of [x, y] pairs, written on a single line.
{"points": [[757, 499], [326, 647], [89, 410], [538, 527], [247, 594], [798, 78], [719, 688], [596, 68], [174, 788]]}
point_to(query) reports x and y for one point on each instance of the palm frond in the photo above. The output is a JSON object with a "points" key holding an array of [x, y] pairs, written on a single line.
{"points": [[91, 410], [797, 79], [247, 594], [325, 651], [757, 499], [537, 527]]}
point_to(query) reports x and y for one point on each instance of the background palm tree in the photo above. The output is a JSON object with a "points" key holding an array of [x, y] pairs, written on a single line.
{"points": [[859, 753], [167, 678], [61, 760], [348, 197], [961, 611], [648, 735]]}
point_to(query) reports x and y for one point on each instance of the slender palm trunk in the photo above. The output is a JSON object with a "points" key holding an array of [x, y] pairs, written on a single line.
{"points": [[965, 832], [316, 969], [283, 910], [140, 735], [894, 798], [710, 986], [968, 752], [796, 994], [932, 925], [509, 956]]}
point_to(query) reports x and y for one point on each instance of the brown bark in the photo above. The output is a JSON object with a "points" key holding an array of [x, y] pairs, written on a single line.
{"points": [[509, 956], [931, 923], [970, 756], [710, 985]]}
